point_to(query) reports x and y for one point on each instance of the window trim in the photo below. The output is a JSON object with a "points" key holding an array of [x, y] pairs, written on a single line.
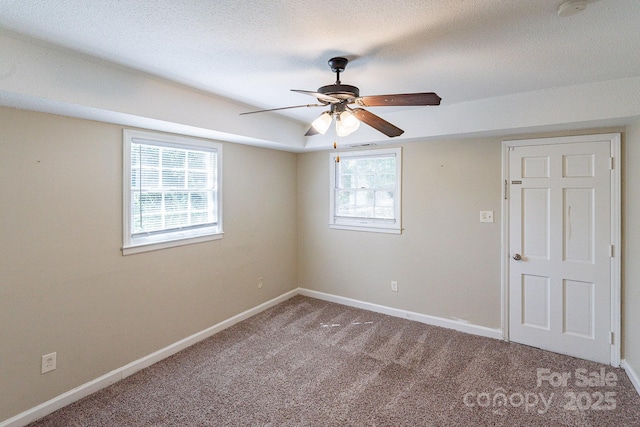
{"points": [[361, 224], [155, 241]]}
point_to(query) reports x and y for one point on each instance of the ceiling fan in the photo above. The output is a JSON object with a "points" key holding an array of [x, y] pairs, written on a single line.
{"points": [[340, 97]]}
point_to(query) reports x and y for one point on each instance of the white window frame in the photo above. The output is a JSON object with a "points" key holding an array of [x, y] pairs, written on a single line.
{"points": [[154, 241], [366, 224]]}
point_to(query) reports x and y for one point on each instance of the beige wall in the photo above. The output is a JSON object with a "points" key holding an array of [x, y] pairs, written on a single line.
{"points": [[64, 285], [446, 262], [631, 247]]}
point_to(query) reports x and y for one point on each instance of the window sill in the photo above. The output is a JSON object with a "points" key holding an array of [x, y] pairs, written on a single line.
{"points": [[366, 228], [147, 247]]}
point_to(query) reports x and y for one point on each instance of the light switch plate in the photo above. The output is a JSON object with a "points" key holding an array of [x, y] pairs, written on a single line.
{"points": [[486, 216]]}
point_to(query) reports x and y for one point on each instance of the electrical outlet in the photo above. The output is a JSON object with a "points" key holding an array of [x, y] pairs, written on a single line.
{"points": [[48, 363], [260, 282], [394, 286]]}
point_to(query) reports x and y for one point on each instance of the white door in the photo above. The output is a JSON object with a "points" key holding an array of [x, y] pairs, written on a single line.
{"points": [[560, 244]]}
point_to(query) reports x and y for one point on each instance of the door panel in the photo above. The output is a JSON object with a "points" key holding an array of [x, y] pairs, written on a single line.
{"points": [[578, 166], [535, 167], [579, 298], [560, 226], [578, 230], [535, 223], [535, 301]]}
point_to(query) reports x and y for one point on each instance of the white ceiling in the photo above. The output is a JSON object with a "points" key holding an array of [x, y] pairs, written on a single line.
{"points": [[255, 51]]}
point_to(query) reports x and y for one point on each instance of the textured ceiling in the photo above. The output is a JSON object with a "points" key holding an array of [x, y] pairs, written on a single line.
{"points": [[255, 51]]}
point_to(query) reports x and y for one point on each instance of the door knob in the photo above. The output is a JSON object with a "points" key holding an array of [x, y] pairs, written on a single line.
{"points": [[517, 257]]}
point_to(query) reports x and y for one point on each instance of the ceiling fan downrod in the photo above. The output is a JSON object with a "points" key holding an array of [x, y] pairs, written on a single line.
{"points": [[338, 64]]}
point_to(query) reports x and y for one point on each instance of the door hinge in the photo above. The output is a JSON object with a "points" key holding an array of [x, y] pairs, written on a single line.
{"points": [[506, 189], [612, 164], [611, 251], [611, 336]]}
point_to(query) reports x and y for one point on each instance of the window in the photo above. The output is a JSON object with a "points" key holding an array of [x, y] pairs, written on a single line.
{"points": [[172, 191], [365, 190]]}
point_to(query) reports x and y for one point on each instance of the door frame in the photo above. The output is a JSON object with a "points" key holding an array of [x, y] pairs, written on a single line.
{"points": [[616, 229]]}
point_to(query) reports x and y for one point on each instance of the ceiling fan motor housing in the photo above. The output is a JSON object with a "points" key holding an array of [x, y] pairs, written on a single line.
{"points": [[340, 91]]}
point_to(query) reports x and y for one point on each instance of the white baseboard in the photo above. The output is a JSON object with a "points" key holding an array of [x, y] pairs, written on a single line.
{"points": [[632, 374], [418, 317], [116, 375]]}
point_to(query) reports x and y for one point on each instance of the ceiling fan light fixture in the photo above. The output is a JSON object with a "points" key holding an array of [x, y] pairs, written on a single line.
{"points": [[322, 123], [346, 124]]}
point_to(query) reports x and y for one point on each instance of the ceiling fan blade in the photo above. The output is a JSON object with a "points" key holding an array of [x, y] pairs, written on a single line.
{"points": [[401, 99], [378, 123], [321, 96], [283, 108], [312, 131]]}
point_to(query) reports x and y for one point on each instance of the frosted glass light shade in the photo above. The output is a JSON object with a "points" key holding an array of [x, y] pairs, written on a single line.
{"points": [[322, 123], [347, 124]]}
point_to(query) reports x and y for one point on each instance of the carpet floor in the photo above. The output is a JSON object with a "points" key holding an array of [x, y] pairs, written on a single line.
{"points": [[307, 362]]}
